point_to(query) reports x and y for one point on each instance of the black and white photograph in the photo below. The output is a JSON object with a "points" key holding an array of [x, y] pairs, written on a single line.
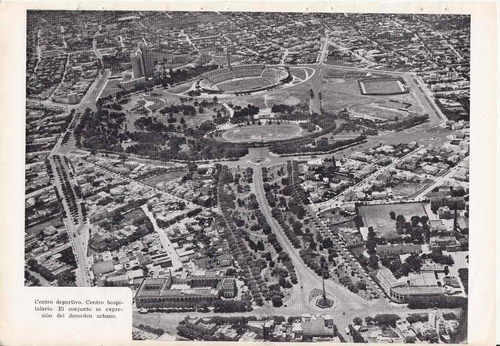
{"points": [[254, 176]]}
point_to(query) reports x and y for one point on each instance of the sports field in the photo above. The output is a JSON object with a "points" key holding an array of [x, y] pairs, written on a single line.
{"points": [[257, 133], [382, 87], [375, 111], [378, 216], [154, 103], [244, 84]]}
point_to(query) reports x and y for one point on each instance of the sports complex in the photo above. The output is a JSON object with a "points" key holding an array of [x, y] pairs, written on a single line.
{"points": [[243, 79]]}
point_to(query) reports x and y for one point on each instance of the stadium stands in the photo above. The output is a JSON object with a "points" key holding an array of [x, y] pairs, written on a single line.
{"points": [[246, 71], [274, 75], [243, 78], [221, 77]]}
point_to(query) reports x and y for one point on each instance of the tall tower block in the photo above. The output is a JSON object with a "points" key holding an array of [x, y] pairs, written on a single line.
{"points": [[135, 59], [148, 64]]}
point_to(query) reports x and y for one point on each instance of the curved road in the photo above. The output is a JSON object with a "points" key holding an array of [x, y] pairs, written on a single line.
{"points": [[343, 298]]}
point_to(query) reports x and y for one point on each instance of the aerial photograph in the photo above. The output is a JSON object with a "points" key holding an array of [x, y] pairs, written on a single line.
{"points": [[254, 176]]}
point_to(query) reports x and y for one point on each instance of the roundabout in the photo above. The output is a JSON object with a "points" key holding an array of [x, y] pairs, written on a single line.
{"points": [[324, 303], [259, 161]]}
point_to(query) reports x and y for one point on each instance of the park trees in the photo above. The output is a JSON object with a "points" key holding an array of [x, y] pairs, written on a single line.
{"points": [[358, 221], [386, 319]]}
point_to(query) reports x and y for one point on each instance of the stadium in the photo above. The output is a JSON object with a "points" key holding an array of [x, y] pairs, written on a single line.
{"points": [[243, 79]]}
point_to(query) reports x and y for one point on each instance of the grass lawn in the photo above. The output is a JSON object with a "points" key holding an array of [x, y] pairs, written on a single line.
{"points": [[254, 133], [378, 215], [298, 72], [343, 74], [373, 110], [180, 88], [408, 189], [338, 94]]}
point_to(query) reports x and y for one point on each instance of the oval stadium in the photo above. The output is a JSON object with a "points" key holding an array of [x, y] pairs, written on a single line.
{"points": [[243, 79]]}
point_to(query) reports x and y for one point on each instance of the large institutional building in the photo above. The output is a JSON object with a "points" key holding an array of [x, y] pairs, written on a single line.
{"points": [[144, 58], [185, 291], [406, 289], [142, 62]]}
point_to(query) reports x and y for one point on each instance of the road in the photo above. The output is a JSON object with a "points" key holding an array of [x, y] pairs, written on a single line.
{"points": [[66, 66], [347, 305], [165, 241], [299, 302], [78, 233], [229, 109], [90, 98], [342, 319]]}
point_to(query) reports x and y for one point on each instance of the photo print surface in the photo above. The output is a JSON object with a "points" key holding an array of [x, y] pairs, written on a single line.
{"points": [[254, 176]]}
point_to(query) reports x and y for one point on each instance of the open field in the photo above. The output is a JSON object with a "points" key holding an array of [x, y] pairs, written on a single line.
{"points": [[282, 99], [256, 133], [374, 110], [408, 189], [345, 86], [298, 91], [396, 104], [343, 74], [378, 215], [338, 94], [298, 72]]}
